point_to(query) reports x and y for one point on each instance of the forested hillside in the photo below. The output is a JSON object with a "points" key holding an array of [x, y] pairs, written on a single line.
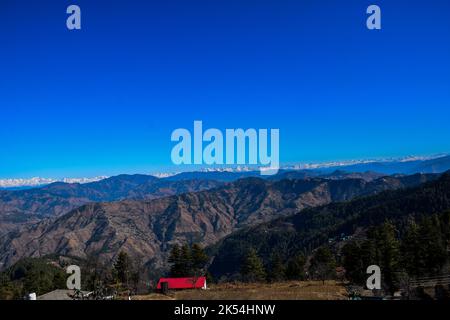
{"points": [[398, 214]]}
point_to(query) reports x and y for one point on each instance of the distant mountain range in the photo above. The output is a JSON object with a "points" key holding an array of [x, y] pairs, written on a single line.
{"points": [[55, 199], [36, 182], [30, 205], [434, 165], [145, 215], [149, 224], [407, 165]]}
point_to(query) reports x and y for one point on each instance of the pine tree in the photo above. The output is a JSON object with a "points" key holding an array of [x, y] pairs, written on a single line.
{"points": [[353, 262], [323, 264], [388, 253], [199, 259], [277, 269], [252, 268], [410, 243], [295, 268], [432, 249], [186, 264], [187, 261], [175, 261], [122, 268], [368, 254]]}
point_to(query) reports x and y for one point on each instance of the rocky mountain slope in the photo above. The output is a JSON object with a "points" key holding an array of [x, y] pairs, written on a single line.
{"points": [[29, 206], [314, 227], [147, 229]]}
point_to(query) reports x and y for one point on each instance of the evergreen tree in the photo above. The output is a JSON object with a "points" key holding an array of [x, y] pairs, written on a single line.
{"points": [[323, 264], [295, 268], [432, 248], [199, 259], [368, 254], [410, 243], [122, 268], [176, 269], [187, 261], [353, 262], [387, 253], [7, 290], [31, 275], [252, 268], [277, 269], [186, 264]]}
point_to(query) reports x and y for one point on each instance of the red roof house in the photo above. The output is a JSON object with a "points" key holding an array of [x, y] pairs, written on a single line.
{"points": [[183, 283]]}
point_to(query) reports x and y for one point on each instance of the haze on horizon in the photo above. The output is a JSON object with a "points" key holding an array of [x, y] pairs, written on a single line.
{"points": [[335, 165]]}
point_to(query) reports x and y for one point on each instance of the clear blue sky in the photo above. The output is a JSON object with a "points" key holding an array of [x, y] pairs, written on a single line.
{"points": [[104, 100]]}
